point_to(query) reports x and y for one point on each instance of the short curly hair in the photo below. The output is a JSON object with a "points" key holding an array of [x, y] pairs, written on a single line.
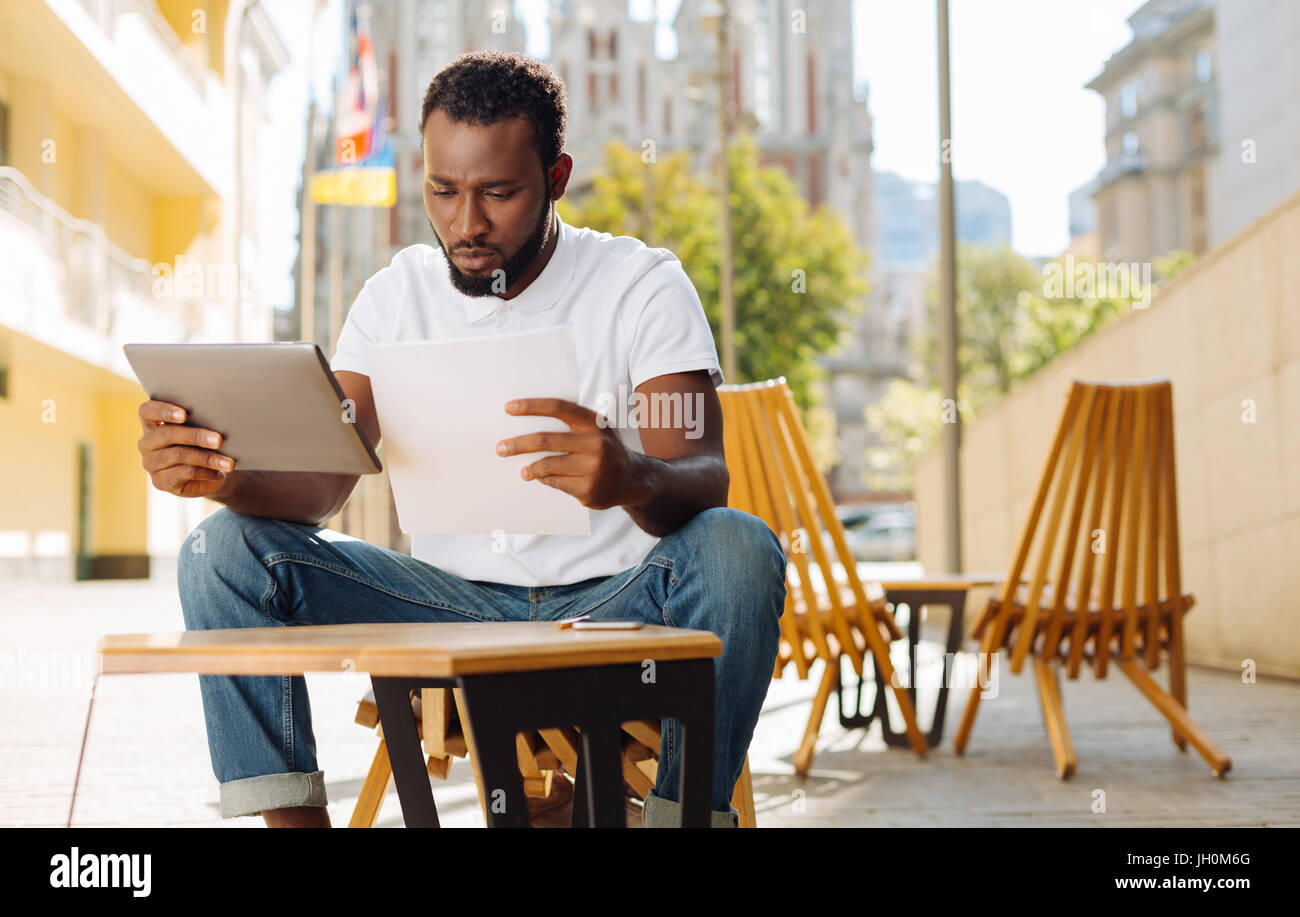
{"points": [[487, 86]]}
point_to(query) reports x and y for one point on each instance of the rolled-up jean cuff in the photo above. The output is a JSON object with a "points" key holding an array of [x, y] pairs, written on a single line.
{"points": [[664, 813], [252, 795]]}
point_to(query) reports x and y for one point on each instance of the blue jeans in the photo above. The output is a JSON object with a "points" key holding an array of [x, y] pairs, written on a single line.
{"points": [[723, 571]]}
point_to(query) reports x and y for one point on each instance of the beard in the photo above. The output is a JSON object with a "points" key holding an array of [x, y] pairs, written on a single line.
{"points": [[516, 267]]}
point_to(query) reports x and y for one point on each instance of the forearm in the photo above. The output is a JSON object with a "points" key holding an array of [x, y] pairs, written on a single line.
{"points": [[666, 493], [294, 496]]}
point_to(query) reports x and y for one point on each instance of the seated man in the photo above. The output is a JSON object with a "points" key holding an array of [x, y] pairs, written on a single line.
{"points": [[663, 548]]}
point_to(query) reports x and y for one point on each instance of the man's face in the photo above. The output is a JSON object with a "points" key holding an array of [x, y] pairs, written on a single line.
{"points": [[485, 194]]}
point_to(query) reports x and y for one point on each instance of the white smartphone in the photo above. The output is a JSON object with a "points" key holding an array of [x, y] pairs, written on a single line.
{"points": [[608, 625]]}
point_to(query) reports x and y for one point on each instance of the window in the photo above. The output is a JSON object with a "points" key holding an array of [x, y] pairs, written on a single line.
{"points": [[1131, 146], [593, 95], [591, 43], [640, 92], [1204, 66], [812, 94], [1198, 140], [613, 87], [1128, 99]]}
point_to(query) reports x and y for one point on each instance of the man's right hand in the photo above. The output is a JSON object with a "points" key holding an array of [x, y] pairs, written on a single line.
{"points": [[181, 460]]}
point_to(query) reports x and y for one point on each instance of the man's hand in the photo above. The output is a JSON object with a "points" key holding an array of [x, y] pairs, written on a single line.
{"points": [[681, 472], [595, 466], [181, 460]]}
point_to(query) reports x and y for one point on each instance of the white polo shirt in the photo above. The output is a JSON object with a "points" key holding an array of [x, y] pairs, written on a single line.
{"points": [[636, 315]]}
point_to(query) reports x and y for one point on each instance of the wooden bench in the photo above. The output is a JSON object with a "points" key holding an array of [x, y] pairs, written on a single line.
{"points": [[513, 677]]}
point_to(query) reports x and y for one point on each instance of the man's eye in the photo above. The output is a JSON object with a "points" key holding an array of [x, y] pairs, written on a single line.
{"points": [[499, 197], [443, 193]]}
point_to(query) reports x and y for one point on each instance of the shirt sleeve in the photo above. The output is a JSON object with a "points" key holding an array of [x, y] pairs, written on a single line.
{"points": [[671, 333]]}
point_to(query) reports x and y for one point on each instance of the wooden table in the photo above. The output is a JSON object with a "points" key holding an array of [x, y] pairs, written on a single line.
{"points": [[515, 676], [938, 589]]}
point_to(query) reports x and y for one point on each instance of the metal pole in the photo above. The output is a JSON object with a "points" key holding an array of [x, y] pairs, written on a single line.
{"points": [[724, 183], [307, 213], [948, 369], [307, 284]]}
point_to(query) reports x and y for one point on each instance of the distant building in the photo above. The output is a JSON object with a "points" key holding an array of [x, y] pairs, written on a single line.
{"points": [[1157, 191], [1083, 211], [907, 242]]}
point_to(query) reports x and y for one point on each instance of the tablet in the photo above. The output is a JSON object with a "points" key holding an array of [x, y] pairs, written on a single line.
{"points": [[277, 406]]}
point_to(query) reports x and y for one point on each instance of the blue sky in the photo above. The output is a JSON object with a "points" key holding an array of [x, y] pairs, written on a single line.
{"points": [[1022, 121]]}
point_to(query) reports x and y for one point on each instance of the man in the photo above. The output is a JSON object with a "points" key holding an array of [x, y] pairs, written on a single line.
{"points": [[663, 546]]}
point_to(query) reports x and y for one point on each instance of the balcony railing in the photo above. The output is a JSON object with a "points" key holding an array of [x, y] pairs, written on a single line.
{"points": [[93, 272], [106, 14], [1126, 164]]}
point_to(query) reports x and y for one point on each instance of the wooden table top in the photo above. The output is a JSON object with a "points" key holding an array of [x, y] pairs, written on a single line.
{"points": [[434, 650], [943, 581]]}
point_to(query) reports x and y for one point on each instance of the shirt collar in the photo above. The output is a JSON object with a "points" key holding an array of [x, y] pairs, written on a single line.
{"points": [[544, 292]]}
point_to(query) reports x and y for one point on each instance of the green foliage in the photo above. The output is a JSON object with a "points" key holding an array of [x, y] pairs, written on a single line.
{"points": [[778, 244], [1011, 323]]}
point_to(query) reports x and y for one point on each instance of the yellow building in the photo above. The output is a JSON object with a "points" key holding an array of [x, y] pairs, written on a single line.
{"points": [[128, 138]]}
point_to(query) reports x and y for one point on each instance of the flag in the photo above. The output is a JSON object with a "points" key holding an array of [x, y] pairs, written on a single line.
{"points": [[358, 123]]}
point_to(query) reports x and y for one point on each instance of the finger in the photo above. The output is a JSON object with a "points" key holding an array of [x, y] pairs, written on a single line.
{"points": [[548, 441], [153, 413], [186, 455], [180, 479], [557, 465], [568, 411], [171, 434], [573, 486]]}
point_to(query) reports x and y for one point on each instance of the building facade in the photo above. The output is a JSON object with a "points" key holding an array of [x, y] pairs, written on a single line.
{"points": [[1158, 190], [129, 130]]}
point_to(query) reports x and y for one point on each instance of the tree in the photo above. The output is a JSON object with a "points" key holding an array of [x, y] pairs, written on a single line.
{"points": [[1012, 322], [797, 274]]}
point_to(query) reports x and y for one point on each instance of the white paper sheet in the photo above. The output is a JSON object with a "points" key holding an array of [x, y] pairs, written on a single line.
{"points": [[441, 407]]}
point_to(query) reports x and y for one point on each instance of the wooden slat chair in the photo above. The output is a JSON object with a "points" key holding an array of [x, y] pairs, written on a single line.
{"points": [[774, 477], [541, 755], [1111, 501]]}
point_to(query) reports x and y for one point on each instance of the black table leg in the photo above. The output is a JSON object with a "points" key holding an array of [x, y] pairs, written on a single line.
{"points": [[695, 788], [580, 817], [602, 750], [598, 700], [857, 719], [955, 599], [393, 698], [956, 626]]}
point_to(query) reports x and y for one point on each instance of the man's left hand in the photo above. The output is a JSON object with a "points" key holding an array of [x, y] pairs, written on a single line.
{"points": [[595, 466]]}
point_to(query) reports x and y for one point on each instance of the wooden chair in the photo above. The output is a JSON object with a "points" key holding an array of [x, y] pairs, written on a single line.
{"points": [[774, 477], [541, 755], [1112, 522]]}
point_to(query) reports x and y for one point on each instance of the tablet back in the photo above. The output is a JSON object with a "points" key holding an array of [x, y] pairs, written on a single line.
{"points": [[277, 405]]}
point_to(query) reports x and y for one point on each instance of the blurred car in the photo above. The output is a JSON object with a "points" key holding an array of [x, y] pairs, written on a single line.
{"points": [[881, 533]]}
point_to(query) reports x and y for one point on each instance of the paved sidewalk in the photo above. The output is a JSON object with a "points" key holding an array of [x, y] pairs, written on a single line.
{"points": [[147, 760]]}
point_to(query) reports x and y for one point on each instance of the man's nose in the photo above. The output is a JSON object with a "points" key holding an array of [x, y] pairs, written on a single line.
{"points": [[471, 222]]}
